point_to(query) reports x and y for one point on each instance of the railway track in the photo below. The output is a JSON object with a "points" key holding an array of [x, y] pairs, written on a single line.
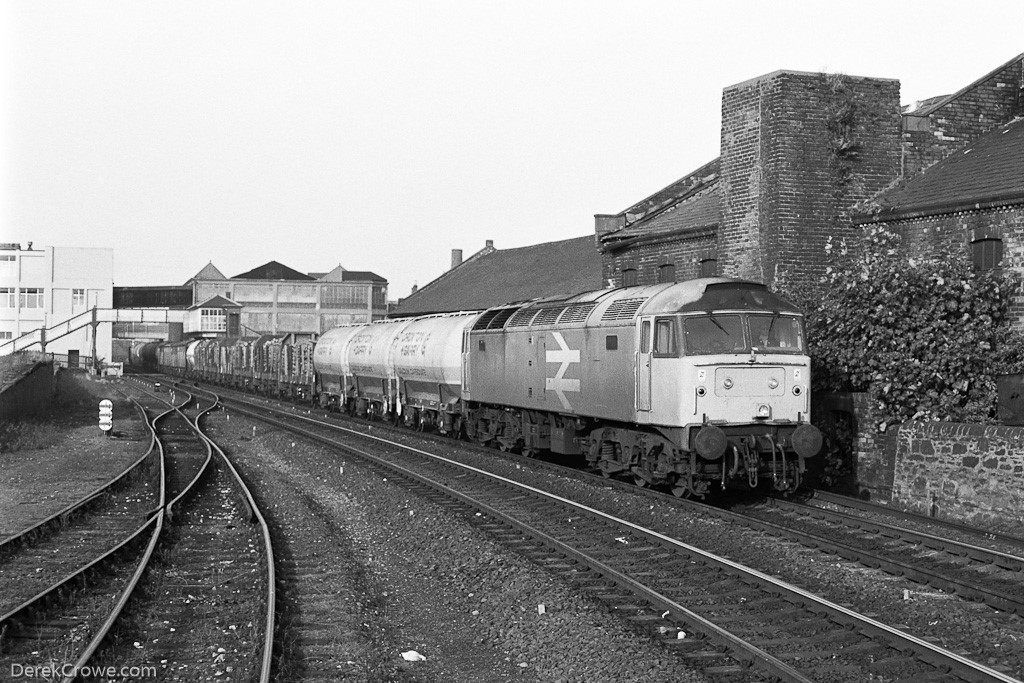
{"points": [[207, 608], [653, 579], [977, 571], [88, 619], [70, 575]]}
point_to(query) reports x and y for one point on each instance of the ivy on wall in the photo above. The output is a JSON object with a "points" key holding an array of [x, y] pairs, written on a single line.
{"points": [[925, 337]]}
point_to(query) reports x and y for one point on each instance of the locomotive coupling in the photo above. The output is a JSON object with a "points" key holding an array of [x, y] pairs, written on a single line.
{"points": [[806, 440]]}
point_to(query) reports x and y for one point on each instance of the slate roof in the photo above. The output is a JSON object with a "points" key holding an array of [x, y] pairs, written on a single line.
{"points": [[339, 274], [988, 171], [501, 276], [272, 270], [700, 209], [691, 203], [361, 276]]}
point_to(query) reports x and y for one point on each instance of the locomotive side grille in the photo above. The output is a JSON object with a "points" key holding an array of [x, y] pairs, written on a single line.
{"points": [[576, 313], [623, 309], [499, 320], [485, 319], [522, 318], [547, 316]]}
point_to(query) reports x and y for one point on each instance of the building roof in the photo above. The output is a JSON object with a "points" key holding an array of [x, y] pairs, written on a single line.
{"points": [[216, 302], [989, 171], [272, 270], [691, 203], [501, 276], [209, 272], [695, 211], [339, 274]]}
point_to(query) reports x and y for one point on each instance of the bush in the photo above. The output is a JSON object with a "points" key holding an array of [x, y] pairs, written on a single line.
{"points": [[926, 337]]}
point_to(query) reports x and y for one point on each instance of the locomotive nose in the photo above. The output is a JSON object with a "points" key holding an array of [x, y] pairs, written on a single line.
{"points": [[807, 440]]}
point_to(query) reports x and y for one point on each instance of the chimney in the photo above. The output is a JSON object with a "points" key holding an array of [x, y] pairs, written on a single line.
{"points": [[456, 258], [605, 223], [489, 244]]}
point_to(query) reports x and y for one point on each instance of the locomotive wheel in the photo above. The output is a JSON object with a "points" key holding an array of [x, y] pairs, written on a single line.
{"points": [[681, 491], [640, 481]]}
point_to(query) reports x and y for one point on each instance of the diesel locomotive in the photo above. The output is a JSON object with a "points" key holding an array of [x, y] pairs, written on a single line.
{"points": [[689, 385]]}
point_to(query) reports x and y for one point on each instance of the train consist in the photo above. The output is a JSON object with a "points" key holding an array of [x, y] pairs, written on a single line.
{"points": [[687, 385]]}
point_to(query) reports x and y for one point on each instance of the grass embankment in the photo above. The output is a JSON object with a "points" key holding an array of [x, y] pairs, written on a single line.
{"points": [[75, 403]]}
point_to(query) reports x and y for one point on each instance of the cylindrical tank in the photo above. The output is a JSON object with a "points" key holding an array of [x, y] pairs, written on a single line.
{"points": [[429, 350]]}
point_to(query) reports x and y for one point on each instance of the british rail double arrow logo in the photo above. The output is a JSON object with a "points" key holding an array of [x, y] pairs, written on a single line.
{"points": [[558, 383]]}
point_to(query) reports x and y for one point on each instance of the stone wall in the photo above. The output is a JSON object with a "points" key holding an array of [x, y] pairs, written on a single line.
{"points": [[968, 472], [965, 472]]}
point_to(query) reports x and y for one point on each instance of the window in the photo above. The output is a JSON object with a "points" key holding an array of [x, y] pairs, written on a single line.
{"points": [[664, 337], [31, 297], [77, 297], [611, 342], [708, 267], [987, 253], [481, 345], [8, 264], [711, 334], [667, 272], [776, 334], [213, 320], [645, 336], [6, 335], [6, 297], [629, 277]]}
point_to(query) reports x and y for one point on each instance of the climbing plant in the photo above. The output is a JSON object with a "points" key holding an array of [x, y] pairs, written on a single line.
{"points": [[925, 336]]}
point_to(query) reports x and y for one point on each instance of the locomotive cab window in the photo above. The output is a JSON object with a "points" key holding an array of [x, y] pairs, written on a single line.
{"points": [[664, 337], [776, 334], [710, 334], [645, 336]]}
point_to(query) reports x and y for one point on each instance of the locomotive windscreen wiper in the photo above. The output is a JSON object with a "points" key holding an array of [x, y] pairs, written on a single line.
{"points": [[711, 317]]}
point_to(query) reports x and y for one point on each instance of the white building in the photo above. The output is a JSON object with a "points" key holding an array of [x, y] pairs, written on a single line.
{"points": [[41, 288]]}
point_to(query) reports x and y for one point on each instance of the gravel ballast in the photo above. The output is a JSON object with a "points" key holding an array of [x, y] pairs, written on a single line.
{"points": [[442, 587]]}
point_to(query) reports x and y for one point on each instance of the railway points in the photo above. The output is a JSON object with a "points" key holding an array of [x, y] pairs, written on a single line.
{"points": [[321, 485]]}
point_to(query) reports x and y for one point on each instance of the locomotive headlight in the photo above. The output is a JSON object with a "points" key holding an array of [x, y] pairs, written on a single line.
{"points": [[773, 383], [701, 391], [797, 390], [727, 383], [764, 412]]}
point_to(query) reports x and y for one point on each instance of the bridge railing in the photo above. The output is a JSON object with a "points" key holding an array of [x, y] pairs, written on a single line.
{"points": [[43, 335]]}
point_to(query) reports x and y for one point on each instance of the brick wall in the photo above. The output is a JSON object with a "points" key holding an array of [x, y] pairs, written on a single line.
{"points": [[933, 132], [685, 253], [966, 472], [798, 150]]}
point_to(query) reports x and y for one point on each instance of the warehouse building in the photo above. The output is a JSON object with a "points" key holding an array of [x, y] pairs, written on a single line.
{"points": [[56, 289]]}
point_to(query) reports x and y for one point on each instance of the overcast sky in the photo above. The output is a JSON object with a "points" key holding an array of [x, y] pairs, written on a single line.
{"points": [[381, 135]]}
